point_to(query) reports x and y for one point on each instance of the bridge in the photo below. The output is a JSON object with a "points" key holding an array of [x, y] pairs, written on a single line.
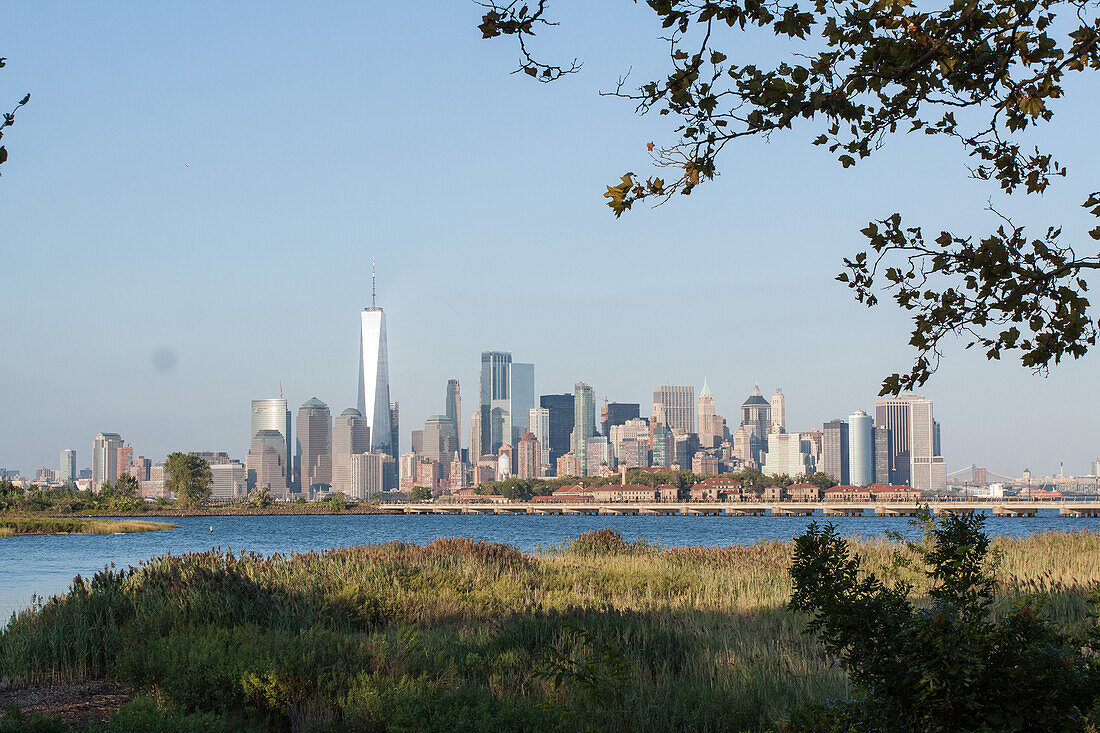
{"points": [[997, 508]]}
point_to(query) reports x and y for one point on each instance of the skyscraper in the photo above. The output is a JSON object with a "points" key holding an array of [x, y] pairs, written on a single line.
{"points": [[893, 413], [617, 413], [529, 458], [538, 424], [67, 472], [374, 375], [105, 459], [273, 414], [882, 455], [834, 451], [314, 445], [561, 423], [677, 404], [779, 412], [710, 428], [495, 402], [756, 413], [861, 449], [474, 454], [786, 456], [584, 405], [267, 463], [350, 436], [395, 430], [522, 398], [454, 411], [438, 442], [928, 471]]}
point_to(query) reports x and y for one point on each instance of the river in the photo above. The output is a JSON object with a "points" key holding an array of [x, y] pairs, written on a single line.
{"points": [[45, 565]]}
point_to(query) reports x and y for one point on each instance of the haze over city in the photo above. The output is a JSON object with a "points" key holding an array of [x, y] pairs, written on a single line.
{"points": [[195, 198]]}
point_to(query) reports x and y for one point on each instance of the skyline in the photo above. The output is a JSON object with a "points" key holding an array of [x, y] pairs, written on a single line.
{"points": [[136, 262]]}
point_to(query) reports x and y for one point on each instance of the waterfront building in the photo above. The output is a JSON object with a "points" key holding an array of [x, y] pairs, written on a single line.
{"points": [[267, 463], [538, 424], [882, 455], [67, 472], [105, 459], [617, 413], [453, 410], [314, 453], [272, 414], [529, 459], [835, 451], [861, 449], [229, 480], [584, 404], [779, 412], [786, 456], [374, 377], [561, 423], [756, 416], [677, 406]]}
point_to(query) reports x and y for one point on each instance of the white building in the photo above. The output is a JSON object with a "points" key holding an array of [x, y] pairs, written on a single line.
{"points": [[786, 456], [861, 449]]}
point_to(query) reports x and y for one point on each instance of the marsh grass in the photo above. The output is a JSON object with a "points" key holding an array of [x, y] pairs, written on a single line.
{"points": [[12, 526], [465, 635]]}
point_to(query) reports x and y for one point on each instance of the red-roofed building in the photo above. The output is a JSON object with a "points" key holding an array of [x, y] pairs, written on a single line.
{"points": [[884, 492], [804, 492], [625, 492], [667, 492], [847, 493]]}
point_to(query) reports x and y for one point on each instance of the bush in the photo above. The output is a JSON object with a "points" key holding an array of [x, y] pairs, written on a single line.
{"points": [[951, 666], [145, 715], [16, 721]]}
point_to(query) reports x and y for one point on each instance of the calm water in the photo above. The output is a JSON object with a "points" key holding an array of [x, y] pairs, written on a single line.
{"points": [[45, 565]]}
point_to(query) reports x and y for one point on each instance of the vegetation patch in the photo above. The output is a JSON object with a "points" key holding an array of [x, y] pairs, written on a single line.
{"points": [[12, 526]]}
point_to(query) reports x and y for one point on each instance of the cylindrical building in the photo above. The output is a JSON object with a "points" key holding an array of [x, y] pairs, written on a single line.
{"points": [[861, 449]]}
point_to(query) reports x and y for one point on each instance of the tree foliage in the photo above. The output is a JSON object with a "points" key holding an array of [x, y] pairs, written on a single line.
{"points": [[947, 663], [982, 73], [189, 478], [9, 118], [260, 497]]}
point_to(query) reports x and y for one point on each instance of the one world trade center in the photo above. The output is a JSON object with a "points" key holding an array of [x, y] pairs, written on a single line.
{"points": [[374, 375]]}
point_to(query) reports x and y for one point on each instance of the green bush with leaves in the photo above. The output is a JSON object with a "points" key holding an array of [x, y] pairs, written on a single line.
{"points": [[947, 662]]}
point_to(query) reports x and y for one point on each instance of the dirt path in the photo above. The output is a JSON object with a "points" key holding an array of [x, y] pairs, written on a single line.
{"points": [[77, 703]]}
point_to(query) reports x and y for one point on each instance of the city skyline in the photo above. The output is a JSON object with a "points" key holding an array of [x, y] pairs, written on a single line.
{"points": [[194, 209]]}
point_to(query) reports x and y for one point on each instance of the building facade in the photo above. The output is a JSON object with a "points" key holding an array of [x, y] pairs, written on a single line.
{"points": [[861, 449], [314, 452], [105, 459], [268, 465], [374, 379], [584, 405], [835, 451], [676, 403], [561, 423]]}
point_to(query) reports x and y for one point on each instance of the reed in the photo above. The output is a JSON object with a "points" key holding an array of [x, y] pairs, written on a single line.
{"points": [[12, 526], [463, 634]]}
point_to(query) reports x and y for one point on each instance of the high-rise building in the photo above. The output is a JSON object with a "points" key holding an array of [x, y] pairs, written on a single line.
{"points": [[395, 430], [67, 472], [522, 398], [368, 474], [454, 411], [786, 455], [529, 460], [861, 449], [374, 377], [677, 405], [495, 402], [105, 459], [438, 441], [756, 414], [350, 436], [314, 446], [416, 441], [834, 451], [617, 413], [928, 472], [598, 454], [893, 413], [272, 414], [561, 423], [711, 428], [882, 455], [779, 412], [229, 480], [567, 465], [538, 424], [584, 404], [475, 437], [663, 446], [267, 463]]}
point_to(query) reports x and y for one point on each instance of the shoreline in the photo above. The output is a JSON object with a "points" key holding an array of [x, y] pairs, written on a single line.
{"points": [[24, 526]]}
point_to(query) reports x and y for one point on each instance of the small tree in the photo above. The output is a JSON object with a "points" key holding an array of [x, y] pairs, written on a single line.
{"points": [[189, 478], [126, 496], [946, 665], [338, 502], [420, 493], [261, 497]]}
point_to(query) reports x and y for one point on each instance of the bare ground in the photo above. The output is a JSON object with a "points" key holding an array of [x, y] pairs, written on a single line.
{"points": [[77, 703]]}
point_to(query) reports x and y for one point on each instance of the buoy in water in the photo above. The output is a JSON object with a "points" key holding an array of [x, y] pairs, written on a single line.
{"points": [[211, 528]]}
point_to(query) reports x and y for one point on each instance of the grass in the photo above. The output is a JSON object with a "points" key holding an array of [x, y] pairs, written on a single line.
{"points": [[12, 526], [464, 635]]}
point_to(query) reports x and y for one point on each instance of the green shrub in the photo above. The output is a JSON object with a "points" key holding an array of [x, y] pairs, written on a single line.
{"points": [[16, 721], [145, 715]]}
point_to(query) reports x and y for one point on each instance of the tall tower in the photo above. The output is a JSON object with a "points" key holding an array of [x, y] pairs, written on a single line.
{"points": [[861, 449], [678, 406], [584, 423], [893, 413], [314, 445], [756, 413], [496, 401], [105, 463], [454, 411], [779, 412], [67, 474], [374, 374], [834, 451]]}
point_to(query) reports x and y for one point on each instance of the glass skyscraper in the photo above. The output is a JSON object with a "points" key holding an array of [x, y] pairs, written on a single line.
{"points": [[374, 379]]}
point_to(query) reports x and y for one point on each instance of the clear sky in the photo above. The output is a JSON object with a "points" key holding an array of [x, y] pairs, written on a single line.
{"points": [[196, 191]]}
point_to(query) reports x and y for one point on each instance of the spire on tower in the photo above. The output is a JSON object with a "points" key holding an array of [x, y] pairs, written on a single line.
{"points": [[373, 304]]}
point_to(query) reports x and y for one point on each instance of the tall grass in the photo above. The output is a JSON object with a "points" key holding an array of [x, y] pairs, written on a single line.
{"points": [[465, 635], [11, 526]]}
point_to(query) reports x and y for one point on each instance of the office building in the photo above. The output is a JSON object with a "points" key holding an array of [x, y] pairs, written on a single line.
{"points": [[779, 412], [756, 415], [882, 455], [598, 453], [675, 404], [438, 440], [105, 459], [786, 456], [314, 452], [368, 474], [268, 465], [453, 409], [584, 404], [711, 427], [229, 480], [861, 449], [272, 414], [567, 465], [522, 398], [928, 472], [561, 423], [631, 453], [374, 378], [495, 402], [529, 458], [427, 474], [350, 436], [892, 413], [538, 424], [835, 451], [617, 413], [67, 472], [662, 445], [475, 451]]}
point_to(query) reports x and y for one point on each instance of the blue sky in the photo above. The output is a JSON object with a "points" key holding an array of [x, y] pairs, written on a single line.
{"points": [[213, 179]]}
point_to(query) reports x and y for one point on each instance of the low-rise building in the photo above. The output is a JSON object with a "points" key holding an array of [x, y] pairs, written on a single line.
{"points": [[848, 493], [804, 492]]}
